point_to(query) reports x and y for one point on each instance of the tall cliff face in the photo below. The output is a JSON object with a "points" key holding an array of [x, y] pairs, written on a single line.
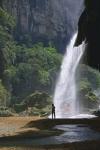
{"points": [[45, 20], [89, 29]]}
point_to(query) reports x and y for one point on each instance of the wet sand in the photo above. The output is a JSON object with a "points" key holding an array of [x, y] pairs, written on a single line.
{"points": [[10, 126]]}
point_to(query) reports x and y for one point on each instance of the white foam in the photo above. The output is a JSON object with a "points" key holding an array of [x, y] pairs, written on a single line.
{"points": [[65, 91], [83, 116]]}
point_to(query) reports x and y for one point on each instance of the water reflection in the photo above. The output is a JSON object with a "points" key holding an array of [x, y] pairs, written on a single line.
{"points": [[77, 133], [72, 133]]}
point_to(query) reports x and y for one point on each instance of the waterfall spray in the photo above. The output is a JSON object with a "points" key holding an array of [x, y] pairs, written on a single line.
{"points": [[65, 92]]}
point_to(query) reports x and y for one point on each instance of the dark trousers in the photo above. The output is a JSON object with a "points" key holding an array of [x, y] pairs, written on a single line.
{"points": [[53, 115]]}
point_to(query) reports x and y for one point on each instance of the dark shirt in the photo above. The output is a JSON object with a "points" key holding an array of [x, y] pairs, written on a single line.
{"points": [[53, 108]]}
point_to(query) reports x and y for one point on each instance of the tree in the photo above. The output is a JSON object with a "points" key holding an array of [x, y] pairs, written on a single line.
{"points": [[4, 96]]}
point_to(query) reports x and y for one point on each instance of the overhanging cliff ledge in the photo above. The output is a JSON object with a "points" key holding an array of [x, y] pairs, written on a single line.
{"points": [[89, 30]]}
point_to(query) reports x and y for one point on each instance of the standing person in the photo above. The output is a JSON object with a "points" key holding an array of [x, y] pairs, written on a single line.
{"points": [[53, 111]]}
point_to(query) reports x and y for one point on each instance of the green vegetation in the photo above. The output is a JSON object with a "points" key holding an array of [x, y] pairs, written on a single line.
{"points": [[38, 103], [91, 75], [25, 69], [5, 112], [28, 73], [4, 96], [38, 100], [89, 83]]}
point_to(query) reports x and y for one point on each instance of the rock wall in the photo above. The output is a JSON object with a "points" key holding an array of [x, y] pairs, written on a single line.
{"points": [[45, 20], [89, 29]]}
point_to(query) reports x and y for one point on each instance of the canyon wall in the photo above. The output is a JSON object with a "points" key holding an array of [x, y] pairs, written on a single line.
{"points": [[45, 20]]}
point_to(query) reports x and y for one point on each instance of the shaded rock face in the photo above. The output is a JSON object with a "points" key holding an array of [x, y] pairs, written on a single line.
{"points": [[45, 20], [89, 29]]}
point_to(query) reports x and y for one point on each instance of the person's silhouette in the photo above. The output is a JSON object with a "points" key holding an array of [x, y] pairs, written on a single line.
{"points": [[53, 111]]}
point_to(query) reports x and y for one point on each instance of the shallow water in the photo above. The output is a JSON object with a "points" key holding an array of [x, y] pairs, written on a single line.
{"points": [[77, 133], [72, 133]]}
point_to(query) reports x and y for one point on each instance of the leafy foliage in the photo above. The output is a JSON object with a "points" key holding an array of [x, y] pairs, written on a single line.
{"points": [[20, 107], [30, 68], [89, 81], [25, 68], [38, 100], [6, 20], [4, 96], [92, 76]]}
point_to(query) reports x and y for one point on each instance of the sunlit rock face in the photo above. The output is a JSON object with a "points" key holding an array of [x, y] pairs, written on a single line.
{"points": [[89, 29], [45, 20]]}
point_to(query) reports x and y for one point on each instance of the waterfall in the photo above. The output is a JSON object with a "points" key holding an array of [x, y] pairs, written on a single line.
{"points": [[65, 97]]}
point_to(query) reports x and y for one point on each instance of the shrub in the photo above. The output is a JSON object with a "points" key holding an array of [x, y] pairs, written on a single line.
{"points": [[38, 100], [20, 107]]}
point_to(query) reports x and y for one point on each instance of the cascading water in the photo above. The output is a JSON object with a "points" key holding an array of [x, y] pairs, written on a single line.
{"points": [[65, 91]]}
